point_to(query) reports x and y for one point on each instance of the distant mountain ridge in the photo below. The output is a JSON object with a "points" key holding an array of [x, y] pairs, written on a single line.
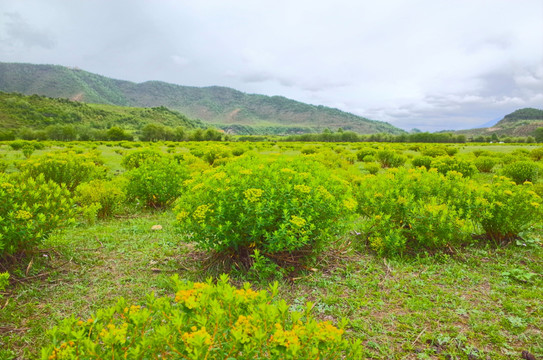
{"points": [[226, 108], [521, 122]]}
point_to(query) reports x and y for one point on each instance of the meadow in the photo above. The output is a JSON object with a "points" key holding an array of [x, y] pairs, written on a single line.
{"points": [[351, 250]]}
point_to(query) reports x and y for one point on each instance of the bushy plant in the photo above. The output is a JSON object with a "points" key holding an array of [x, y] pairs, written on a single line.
{"points": [[156, 183], [362, 153], [445, 164], [485, 163], [414, 209], [273, 205], [215, 154], [105, 197], [537, 154], [505, 209], [204, 321], [66, 168], [4, 281], [521, 171], [372, 168], [390, 158], [30, 208], [138, 157], [425, 161], [3, 164], [434, 151]]}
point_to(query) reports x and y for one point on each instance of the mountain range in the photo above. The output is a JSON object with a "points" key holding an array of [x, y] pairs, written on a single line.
{"points": [[225, 108]]}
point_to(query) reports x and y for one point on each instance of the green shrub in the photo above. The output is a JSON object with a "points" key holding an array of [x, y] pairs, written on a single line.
{"points": [[214, 155], [445, 164], [30, 208], [537, 154], [369, 159], [272, 205], [484, 163], [414, 209], [372, 168], [435, 151], [308, 150], [104, 196], [4, 282], [362, 153], [3, 164], [66, 168], [156, 183], [419, 161], [521, 171], [505, 209], [136, 158], [390, 159], [204, 321], [27, 150]]}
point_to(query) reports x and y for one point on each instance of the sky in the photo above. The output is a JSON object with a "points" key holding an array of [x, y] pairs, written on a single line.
{"points": [[426, 64]]}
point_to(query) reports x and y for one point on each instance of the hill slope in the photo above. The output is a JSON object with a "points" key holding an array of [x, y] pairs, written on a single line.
{"points": [[38, 112], [223, 107], [522, 122]]}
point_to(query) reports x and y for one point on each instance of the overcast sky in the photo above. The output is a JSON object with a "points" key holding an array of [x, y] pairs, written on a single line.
{"points": [[427, 64]]}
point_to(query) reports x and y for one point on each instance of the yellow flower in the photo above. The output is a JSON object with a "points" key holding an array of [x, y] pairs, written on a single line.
{"points": [[302, 188], [201, 212], [23, 215], [508, 192], [182, 215], [297, 221], [246, 171], [253, 195], [350, 204]]}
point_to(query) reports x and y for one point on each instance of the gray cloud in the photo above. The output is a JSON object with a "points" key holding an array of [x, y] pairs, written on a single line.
{"points": [[432, 64], [18, 31]]}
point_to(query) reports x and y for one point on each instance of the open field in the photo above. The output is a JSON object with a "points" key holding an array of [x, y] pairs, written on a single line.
{"points": [[469, 298]]}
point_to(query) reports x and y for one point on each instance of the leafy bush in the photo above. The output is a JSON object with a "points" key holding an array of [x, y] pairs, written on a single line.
{"points": [[362, 153], [435, 151], [521, 171], [3, 165], [484, 163], [214, 154], [389, 158], [156, 183], [136, 158], [204, 321], [30, 208], [104, 196], [66, 168], [445, 164], [414, 209], [505, 209], [272, 205], [369, 159], [419, 161], [537, 154], [4, 282], [372, 168]]}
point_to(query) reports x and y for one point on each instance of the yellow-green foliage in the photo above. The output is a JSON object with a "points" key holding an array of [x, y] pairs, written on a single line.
{"points": [[67, 168], [136, 158], [156, 183], [415, 209], [273, 204], [521, 171], [104, 196], [30, 208], [204, 321], [444, 164], [4, 281], [505, 209]]}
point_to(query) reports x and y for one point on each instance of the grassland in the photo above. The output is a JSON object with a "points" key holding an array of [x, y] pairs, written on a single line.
{"points": [[476, 302]]}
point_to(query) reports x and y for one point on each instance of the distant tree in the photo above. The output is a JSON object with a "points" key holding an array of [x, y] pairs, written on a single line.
{"points": [[156, 132], [116, 133], [538, 134]]}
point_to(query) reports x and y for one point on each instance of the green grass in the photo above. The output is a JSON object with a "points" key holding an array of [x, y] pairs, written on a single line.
{"points": [[480, 301], [477, 301]]}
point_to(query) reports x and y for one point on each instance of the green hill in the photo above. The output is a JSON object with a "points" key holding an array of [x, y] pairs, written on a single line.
{"points": [[38, 112], [229, 109], [522, 122]]}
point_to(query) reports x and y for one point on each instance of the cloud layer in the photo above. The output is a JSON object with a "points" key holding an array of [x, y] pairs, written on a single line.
{"points": [[430, 64]]}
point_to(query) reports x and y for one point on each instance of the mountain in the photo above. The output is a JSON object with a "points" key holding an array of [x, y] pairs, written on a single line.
{"points": [[37, 112], [522, 122], [228, 109]]}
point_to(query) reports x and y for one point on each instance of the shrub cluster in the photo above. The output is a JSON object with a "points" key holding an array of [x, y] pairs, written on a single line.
{"points": [[204, 321], [272, 205], [30, 208], [521, 171]]}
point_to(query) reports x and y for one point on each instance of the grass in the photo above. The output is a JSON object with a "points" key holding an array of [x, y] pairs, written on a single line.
{"points": [[479, 301]]}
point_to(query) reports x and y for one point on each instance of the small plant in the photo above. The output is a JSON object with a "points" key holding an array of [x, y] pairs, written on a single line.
{"points": [[362, 153], [372, 168], [66, 168], [445, 164], [521, 171], [27, 150], [156, 183], [137, 158], [390, 158], [30, 209], [204, 321], [104, 196], [271, 205], [419, 161], [484, 164]]}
